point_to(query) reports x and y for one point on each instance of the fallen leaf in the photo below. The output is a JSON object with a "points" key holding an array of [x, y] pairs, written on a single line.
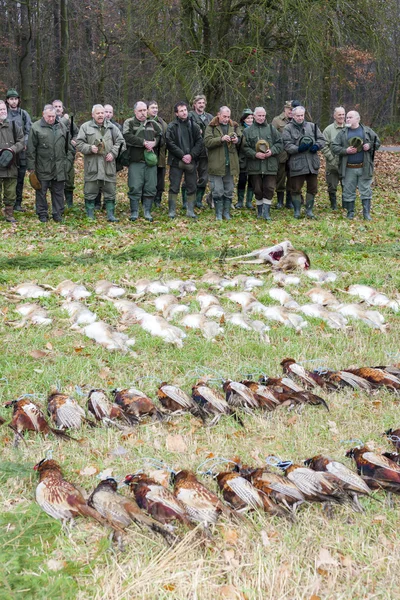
{"points": [[58, 333], [49, 346], [333, 427], [169, 587], [265, 538], [230, 536], [39, 353], [379, 519], [230, 592], [104, 373], [314, 597], [292, 420], [56, 565], [88, 471], [175, 443], [346, 561], [325, 558]]}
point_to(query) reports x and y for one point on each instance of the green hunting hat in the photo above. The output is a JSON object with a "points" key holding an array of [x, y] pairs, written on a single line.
{"points": [[247, 112], [306, 139], [288, 104], [356, 142], [6, 158], [150, 158], [11, 93]]}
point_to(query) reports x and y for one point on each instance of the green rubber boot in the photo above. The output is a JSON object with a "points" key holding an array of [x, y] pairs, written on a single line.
{"points": [[69, 198], [226, 214], [147, 204], [350, 209], [184, 198], [280, 196], [296, 202], [199, 197], [249, 198], [110, 208], [309, 206], [172, 198], [134, 206], [191, 199], [265, 211], [89, 206], [259, 211], [219, 207], [366, 209]]}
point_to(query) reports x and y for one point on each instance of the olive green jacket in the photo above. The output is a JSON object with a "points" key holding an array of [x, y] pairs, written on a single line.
{"points": [[217, 149], [47, 153], [96, 167], [162, 152], [340, 145], [137, 132], [202, 124], [280, 123], [16, 145], [332, 160], [302, 163], [251, 135]]}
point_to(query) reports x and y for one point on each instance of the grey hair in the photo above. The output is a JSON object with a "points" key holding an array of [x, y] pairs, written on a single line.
{"points": [[139, 102], [221, 108], [97, 106], [298, 109], [2, 102], [259, 108], [339, 108], [49, 107], [357, 114], [57, 100]]}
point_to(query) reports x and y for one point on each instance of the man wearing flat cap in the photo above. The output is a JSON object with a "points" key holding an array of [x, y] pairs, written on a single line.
{"points": [[356, 146], [282, 178]]}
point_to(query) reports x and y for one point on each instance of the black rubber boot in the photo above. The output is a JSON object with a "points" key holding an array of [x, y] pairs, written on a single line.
{"points": [[157, 200], [366, 209], [240, 195], [18, 207], [110, 208], [259, 211], [226, 213], [309, 206], [172, 198], [219, 207], [134, 206], [280, 196], [97, 202], [147, 204], [265, 212], [184, 198], [249, 198], [332, 198], [191, 199], [289, 203], [296, 202], [350, 209], [69, 198], [199, 197]]}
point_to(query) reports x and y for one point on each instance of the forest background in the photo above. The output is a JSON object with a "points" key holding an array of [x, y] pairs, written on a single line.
{"points": [[239, 52]]}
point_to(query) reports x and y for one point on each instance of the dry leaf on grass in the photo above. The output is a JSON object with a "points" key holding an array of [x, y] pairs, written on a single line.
{"points": [[104, 373], [230, 536], [56, 565], [230, 592], [88, 471], [326, 559], [333, 427], [175, 443], [39, 353]]}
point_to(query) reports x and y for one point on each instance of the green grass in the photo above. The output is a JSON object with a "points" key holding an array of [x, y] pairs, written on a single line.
{"points": [[266, 558]]}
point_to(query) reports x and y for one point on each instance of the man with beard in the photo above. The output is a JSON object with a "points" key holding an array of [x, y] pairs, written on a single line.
{"points": [[73, 130], [100, 141], [152, 113], [202, 119], [23, 120], [185, 146]]}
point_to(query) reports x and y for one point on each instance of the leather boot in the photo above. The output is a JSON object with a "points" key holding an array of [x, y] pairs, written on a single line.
{"points": [[199, 197], [309, 206], [332, 198], [240, 195], [18, 207], [296, 202], [147, 203], [259, 210], [366, 209], [9, 214], [289, 203], [265, 211], [69, 198], [350, 209], [134, 206], [191, 199], [184, 198], [249, 198], [172, 198], [280, 196], [110, 208], [89, 206], [226, 214], [219, 206]]}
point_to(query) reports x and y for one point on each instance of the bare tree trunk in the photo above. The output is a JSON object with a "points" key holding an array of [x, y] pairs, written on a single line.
{"points": [[64, 66], [25, 59]]}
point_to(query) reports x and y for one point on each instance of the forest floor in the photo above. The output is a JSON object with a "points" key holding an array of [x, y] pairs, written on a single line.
{"points": [[343, 556]]}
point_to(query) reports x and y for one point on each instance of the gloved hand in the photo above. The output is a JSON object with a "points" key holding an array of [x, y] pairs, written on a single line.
{"points": [[304, 147], [314, 148]]}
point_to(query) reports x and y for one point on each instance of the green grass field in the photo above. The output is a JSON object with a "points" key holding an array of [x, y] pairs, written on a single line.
{"points": [[347, 556]]}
